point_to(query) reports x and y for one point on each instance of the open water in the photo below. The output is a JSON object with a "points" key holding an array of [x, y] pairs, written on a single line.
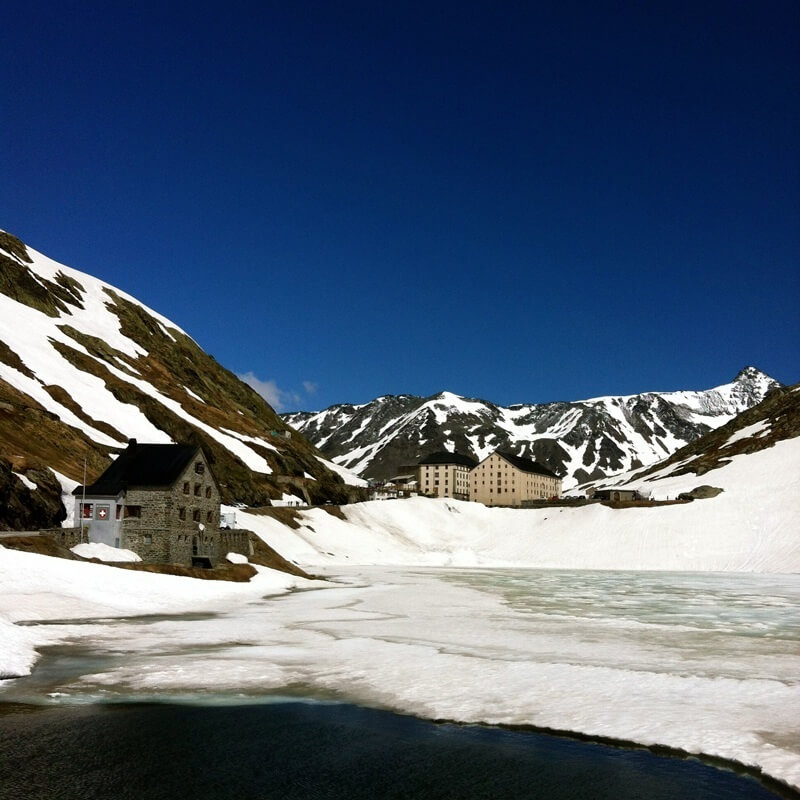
{"points": [[312, 750]]}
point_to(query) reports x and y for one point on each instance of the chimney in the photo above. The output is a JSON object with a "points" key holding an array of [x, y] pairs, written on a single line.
{"points": [[131, 442]]}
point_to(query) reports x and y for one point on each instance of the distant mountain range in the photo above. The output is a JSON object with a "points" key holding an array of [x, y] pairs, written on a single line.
{"points": [[84, 367], [582, 441]]}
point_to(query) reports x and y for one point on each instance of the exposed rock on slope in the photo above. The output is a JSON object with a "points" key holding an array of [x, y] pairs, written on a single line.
{"points": [[84, 367], [775, 419], [29, 501], [581, 441]]}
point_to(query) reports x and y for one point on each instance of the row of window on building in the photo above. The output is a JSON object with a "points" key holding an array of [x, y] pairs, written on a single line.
{"points": [[198, 489], [101, 512]]}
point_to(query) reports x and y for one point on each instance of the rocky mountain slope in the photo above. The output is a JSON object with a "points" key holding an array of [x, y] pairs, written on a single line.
{"points": [[776, 419], [581, 441], [84, 367]]}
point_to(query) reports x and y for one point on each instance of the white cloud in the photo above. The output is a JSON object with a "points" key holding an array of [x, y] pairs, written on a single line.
{"points": [[280, 399]]}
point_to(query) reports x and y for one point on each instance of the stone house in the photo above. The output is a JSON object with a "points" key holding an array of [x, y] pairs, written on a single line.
{"points": [[162, 502], [504, 479], [445, 474]]}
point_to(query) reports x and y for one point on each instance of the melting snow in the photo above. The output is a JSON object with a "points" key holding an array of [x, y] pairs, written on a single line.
{"points": [[751, 431]]}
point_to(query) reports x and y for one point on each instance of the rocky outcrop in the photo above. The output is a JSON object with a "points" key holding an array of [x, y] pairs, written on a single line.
{"points": [[30, 502]]}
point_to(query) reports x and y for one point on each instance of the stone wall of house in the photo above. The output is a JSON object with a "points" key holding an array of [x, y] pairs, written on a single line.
{"points": [[69, 537], [179, 523], [234, 540], [164, 546]]}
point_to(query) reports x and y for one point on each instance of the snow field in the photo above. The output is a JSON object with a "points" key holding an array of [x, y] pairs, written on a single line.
{"points": [[751, 527], [38, 587]]}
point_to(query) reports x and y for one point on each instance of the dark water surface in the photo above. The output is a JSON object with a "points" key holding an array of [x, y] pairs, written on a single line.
{"points": [[311, 750]]}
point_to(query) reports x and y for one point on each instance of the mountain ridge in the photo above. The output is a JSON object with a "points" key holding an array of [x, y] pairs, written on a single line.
{"points": [[580, 440]]}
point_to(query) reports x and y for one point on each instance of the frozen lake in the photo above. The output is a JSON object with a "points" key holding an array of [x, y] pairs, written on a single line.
{"points": [[705, 663]]}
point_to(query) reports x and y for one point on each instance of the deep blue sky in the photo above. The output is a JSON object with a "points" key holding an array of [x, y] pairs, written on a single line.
{"points": [[516, 201]]}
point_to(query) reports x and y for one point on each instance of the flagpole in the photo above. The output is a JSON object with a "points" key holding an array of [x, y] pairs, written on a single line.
{"points": [[83, 497]]}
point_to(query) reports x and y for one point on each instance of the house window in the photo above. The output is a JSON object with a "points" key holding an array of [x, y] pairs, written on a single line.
{"points": [[118, 512], [148, 538], [87, 510], [102, 513], [199, 468], [196, 515], [133, 511], [197, 488], [209, 516], [181, 513], [208, 491], [186, 487]]}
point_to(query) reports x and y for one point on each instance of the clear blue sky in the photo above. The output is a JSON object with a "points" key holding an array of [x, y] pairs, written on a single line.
{"points": [[521, 202]]}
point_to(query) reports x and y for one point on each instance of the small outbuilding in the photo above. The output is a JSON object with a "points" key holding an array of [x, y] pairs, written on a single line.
{"points": [[613, 494]]}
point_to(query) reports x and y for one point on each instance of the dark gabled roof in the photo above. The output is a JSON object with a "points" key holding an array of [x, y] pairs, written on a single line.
{"points": [[151, 465], [526, 465], [443, 457]]}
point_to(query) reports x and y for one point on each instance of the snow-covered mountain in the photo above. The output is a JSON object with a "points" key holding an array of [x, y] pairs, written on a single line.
{"points": [[84, 367], [746, 472], [581, 441], [770, 423]]}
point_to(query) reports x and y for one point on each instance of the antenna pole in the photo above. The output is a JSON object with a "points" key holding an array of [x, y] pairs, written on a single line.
{"points": [[83, 500]]}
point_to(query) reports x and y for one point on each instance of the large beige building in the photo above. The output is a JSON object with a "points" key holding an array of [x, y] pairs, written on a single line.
{"points": [[445, 475], [504, 479]]}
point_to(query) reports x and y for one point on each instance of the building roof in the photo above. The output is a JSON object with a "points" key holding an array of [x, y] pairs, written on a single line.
{"points": [[526, 465], [443, 457], [142, 465]]}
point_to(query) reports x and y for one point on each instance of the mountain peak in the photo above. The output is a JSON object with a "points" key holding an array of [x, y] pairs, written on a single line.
{"points": [[750, 373], [752, 380]]}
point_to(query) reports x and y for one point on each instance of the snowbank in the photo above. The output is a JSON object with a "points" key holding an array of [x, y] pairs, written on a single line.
{"points": [[751, 527], [104, 552], [36, 588]]}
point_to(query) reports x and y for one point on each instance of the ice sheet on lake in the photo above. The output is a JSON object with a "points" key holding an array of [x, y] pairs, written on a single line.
{"points": [[706, 663]]}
